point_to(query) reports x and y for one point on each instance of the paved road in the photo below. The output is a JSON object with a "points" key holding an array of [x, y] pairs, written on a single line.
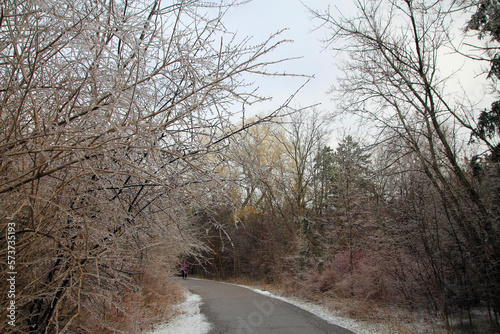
{"points": [[233, 309]]}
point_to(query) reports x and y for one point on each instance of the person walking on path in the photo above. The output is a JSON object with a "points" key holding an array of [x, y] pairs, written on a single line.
{"points": [[184, 270]]}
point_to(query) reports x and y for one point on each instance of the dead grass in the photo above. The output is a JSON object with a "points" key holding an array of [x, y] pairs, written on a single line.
{"points": [[138, 310], [387, 318]]}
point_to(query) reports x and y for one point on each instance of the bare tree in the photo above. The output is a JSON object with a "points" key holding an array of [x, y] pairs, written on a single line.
{"points": [[113, 114], [305, 134]]}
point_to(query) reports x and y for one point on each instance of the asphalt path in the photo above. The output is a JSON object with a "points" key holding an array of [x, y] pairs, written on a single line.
{"points": [[234, 309]]}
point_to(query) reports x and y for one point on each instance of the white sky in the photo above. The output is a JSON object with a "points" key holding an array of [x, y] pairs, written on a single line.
{"points": [[262, 18]]}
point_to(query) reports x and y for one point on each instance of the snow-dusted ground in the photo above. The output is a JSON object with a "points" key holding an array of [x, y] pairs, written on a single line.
{"points": [[358, 327], [323, 313], [188, 320]]}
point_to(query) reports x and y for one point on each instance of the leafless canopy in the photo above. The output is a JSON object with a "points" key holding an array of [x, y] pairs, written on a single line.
{"points": [[112, 116]]}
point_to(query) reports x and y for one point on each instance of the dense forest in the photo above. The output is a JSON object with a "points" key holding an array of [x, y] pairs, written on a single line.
{"points": [[124, 148]]}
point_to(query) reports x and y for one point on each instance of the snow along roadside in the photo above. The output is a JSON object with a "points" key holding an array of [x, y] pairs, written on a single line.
{"points": [[317, 310], [323, 313], [358, 327], [320, 312], [189, 320]]}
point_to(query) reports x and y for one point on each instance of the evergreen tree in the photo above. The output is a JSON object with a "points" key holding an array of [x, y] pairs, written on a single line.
{"points": [[486, 20]]}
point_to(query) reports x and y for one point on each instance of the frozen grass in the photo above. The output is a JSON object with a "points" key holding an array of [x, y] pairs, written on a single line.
{"points": [[149, 303]]}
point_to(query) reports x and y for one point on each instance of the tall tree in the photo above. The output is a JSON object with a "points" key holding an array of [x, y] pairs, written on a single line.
{"points": [[345, 177], [350, 189], [305, 135]]}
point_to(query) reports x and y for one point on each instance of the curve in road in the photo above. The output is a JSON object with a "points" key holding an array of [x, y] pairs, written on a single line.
{"points": [[235, 309]]}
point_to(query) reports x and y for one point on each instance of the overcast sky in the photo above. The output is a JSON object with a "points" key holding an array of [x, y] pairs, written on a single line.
{"points": [[261, 18]]}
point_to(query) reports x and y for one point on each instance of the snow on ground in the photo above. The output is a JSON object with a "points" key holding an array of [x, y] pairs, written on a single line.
{"points": [[358, 327], [188, 320], [321, 312]]}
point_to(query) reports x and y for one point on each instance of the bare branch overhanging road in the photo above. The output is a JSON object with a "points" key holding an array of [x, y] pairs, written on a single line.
{"points": [[234, 309]]}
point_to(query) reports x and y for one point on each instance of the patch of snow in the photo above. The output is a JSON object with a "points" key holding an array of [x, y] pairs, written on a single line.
{"points": [[188, 320], [419, 325], [323, 313]]}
